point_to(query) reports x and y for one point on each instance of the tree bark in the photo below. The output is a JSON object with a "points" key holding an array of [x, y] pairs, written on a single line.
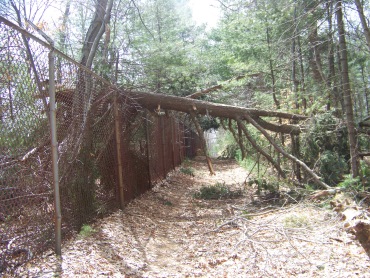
{"points": [[152, 101], [276, 101], [240, 140], [365, 27], [331, 81], [315, 59], [96, 31], [352, 136], [62, 40]]}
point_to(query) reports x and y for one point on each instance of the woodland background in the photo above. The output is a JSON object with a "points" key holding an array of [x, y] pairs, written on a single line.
{"points": [[302, 57], [303, 65]]}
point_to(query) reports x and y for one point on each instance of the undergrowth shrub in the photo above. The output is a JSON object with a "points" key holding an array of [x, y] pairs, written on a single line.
{"points": [[86, 231], [187, 171], [325, 148], [361, 183], [331, 166], [217, 192]]}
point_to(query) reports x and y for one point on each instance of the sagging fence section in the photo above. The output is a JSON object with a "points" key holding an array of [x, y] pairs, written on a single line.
{"points": [[109, 149]]}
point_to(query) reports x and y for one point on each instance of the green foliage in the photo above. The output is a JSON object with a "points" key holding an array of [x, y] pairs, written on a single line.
{"points": [[208, 122], [187, 171], [365, 174], [229, 151], [217, 192], [360, 183], [351, 183], [226, 146], [251, 165], [331, 167], [86, 231], [325, 147]]}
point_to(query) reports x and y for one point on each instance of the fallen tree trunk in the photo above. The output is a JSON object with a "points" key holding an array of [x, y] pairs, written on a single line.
{"points": [[156, 102]]}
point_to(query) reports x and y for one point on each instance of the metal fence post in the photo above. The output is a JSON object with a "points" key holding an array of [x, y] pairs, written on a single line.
{"points": [[148, 149], [118, 149], [54, 148]]}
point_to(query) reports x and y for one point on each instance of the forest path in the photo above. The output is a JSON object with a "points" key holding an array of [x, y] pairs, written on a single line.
{"points": [[168, 233]]}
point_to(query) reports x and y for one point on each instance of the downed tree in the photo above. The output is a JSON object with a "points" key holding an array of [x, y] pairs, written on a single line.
{"points": [[253, 116], [157, 102]]}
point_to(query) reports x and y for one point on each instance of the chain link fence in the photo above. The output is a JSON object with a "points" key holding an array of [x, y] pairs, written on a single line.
{"points": [[109, 149]]}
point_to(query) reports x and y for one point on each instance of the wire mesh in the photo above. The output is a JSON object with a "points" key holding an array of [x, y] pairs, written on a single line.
{"points": [[152, 144], [26, 192]]}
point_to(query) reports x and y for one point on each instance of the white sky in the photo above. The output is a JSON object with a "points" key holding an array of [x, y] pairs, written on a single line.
{"points": [[205, 11]]}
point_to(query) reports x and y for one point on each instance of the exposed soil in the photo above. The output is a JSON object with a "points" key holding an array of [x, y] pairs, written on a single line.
{"points": [[168, 233]]}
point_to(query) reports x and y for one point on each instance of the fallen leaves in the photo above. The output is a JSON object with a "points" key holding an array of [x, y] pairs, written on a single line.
{"points": [[168, 233]]}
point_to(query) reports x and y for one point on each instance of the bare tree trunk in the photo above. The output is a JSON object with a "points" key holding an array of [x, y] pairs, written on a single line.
{"points": [[42, 87], [295, 139], [315, 59], [352, 136], [277, 103], [203, 141], [302, 80], [240, 140], [237, 138], [96, 30], [331, 81], [361, 14], [63, 40]]}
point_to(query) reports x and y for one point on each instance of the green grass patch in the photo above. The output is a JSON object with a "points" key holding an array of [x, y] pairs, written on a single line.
{"points": [[86, 231], [217, 192], [187, 171]]}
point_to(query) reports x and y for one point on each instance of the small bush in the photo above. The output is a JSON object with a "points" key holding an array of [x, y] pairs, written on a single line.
{"points": [[331, 167], [217, 192], [230, 151], [187, 171], [86, 230], [365, 174]]}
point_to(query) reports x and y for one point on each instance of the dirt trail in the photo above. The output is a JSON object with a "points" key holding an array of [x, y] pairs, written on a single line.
{"points": [[169, 233]]}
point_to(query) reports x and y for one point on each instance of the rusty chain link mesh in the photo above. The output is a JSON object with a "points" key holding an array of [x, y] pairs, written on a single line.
{"points": [[89, 113]]}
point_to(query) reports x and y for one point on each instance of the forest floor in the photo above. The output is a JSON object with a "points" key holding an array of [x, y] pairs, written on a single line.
{"points": [[168, 233]]}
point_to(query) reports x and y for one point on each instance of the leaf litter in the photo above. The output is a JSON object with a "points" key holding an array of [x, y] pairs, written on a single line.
{"points": [[167, 232]]}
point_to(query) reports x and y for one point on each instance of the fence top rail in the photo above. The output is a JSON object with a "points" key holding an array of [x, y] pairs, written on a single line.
{"points": [[52, 48]]}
